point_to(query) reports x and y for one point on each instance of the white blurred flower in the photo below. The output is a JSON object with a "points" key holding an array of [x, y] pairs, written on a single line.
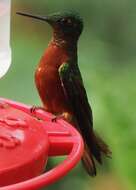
{"points": [[5, 51]]}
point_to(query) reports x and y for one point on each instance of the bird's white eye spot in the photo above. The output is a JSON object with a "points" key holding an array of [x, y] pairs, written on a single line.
{"points": [[66, 21], [69, 21], [63, 20]]}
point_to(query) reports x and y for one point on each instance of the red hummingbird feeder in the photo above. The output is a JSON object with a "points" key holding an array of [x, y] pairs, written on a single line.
{"points": [[26, 143]]}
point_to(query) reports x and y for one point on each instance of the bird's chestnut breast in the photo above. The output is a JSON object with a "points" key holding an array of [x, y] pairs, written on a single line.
{"points": [[48, 81]]}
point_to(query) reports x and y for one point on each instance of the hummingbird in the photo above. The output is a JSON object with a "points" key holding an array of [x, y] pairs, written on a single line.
{"points": [[60, 84]]}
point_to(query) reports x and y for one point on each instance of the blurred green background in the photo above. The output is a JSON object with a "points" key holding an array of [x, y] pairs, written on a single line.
{"points": [[107, 61]]}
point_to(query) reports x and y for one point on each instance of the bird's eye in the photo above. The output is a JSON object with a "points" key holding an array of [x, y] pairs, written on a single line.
{"points": [[63, 20], [66, 21]]}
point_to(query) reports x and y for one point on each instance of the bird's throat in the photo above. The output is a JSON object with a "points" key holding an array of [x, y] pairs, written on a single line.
{"points": [[65, 42]]}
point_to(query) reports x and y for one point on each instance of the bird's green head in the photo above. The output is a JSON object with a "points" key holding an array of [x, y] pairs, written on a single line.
{"points": [[65, 24]]}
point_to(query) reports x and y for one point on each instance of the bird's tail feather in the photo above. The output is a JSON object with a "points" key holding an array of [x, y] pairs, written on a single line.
{"points": [[88, 161], [96, 150], [99, 148]]}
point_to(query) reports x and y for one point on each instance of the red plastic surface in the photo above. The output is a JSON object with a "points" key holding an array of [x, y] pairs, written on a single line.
{"points": [[23, 146], [62, 139]]}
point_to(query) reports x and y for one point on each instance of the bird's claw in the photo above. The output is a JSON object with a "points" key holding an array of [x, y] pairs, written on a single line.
{"points": [[33, 109], [54, 119]]}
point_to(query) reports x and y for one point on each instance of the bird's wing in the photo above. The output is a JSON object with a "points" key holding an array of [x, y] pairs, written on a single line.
{"points": [[74, 90], [75, 93]]}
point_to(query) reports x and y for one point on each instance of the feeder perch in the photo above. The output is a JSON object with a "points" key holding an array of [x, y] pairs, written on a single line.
{"points": [[26, 143]]}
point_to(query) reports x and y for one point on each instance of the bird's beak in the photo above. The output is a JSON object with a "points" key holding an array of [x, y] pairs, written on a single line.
{"points": [[45, 18]]}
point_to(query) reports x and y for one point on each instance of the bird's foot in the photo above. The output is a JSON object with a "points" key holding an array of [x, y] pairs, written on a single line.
{"points": [[65, 115], [56, 117], [33, 109]]}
